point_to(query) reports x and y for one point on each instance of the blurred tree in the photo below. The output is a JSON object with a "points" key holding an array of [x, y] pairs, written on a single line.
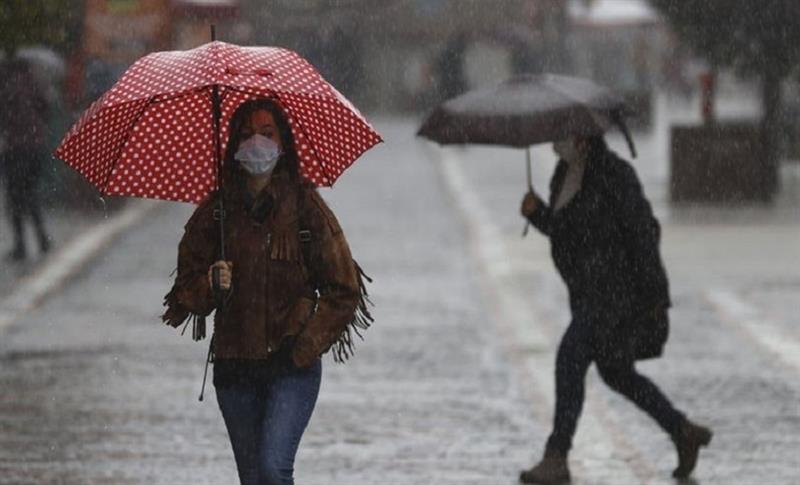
{"points": [[53, 23], [760, 38]]}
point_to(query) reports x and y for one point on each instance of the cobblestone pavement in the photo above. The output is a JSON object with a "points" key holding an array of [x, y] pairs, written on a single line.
{"points": [[454, 382]]}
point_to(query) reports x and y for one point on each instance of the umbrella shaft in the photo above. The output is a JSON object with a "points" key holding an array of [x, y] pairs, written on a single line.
{"points": [[528, 167], [216, 113]]}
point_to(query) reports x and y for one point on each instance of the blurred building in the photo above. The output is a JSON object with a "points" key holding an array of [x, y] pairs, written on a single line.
{"points": [[406, 55], [387, 55], [621, 44], [115, 33], [615, 42]]}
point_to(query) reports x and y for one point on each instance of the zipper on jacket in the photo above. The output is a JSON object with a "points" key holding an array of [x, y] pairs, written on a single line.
{"points": [[267, 258]]}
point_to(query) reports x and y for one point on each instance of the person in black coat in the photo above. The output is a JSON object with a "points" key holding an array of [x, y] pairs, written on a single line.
{"points": [[23, 128], [604, 242]]}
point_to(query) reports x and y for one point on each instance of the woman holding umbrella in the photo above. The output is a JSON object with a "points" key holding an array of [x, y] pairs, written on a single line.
{"points": [[604, 241], [288, 291]]}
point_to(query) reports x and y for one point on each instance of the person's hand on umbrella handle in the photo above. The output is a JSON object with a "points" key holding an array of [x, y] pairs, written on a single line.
{"points": [[222, 272], [528, 207], [529, 204]]}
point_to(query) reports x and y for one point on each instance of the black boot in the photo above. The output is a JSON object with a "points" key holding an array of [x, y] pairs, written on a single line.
{"points": [[552, 469], [688, 441]]}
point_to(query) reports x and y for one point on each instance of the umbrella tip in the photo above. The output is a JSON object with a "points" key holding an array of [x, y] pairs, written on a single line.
{"points": [[623, 127], [213, 32]]}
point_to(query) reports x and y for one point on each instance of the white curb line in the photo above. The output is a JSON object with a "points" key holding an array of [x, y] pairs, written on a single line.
{"points": [[758, 327]]}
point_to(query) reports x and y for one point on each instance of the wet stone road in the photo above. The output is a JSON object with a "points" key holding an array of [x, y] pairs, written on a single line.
{"points": [[453, 385]]}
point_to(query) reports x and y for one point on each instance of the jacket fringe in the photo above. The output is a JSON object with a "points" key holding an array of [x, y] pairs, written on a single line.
{"points": [[285, 245], [176, 315], [343, 348]]}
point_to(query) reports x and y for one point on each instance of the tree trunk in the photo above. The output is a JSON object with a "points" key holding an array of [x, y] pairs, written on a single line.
{"points": [[771, 128]]}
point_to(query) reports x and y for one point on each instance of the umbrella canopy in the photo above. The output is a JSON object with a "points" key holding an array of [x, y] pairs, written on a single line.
{"points": [[154, 134], [524, 111]]}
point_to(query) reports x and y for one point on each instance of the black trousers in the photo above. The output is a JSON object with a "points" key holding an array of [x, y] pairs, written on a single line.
{"points": [[22, 167], [575, 354]]}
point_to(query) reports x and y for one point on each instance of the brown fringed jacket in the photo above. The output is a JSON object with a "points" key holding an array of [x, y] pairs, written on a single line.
{"points": [[293, 276]]}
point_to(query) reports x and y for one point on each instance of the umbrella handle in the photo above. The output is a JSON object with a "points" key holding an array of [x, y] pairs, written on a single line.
{"points": [[219, 293], [215, 279], [530, 185]]}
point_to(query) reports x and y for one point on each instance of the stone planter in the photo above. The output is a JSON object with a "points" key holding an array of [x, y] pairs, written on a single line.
{"points": [[720, 163]]}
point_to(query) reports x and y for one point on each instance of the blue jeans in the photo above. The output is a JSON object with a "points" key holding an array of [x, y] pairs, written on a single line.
{"points": [[266, 419]]}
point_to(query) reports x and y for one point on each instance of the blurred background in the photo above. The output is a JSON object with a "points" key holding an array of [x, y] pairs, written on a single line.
{"points": [[403, 56]]}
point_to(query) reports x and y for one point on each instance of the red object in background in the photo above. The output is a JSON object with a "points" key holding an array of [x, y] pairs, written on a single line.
{"points": [[707, 92], [74, 80], [152, 134]]}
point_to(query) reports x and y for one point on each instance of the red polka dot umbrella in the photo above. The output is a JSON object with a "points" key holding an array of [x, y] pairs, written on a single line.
{"points": [[153, 134]]}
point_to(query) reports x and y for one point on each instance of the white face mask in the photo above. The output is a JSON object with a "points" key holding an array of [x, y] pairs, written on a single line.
{"points": [[567, 150], [258, 155]]}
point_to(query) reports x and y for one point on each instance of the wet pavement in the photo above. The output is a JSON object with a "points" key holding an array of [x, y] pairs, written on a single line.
{"points": [[454, 382]]}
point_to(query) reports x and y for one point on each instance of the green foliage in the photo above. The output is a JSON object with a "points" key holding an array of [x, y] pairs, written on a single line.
{"points": [[755, 36], [54, 23]]}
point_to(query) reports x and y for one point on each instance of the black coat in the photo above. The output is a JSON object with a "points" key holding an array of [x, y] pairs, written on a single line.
{"points": [[604, 243]]}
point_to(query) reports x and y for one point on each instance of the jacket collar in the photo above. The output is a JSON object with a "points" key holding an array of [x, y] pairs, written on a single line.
{"points": [[275, 201]]}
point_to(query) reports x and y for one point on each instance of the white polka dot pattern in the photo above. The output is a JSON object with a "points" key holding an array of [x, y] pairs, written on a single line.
{"points": [[151, 135]]}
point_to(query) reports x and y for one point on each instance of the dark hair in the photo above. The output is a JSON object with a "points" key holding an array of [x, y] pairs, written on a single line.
{"points": [[288, 162]]}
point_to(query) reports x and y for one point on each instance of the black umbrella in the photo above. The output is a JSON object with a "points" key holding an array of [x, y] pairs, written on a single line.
{"points": [[526, 110]]}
